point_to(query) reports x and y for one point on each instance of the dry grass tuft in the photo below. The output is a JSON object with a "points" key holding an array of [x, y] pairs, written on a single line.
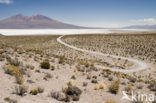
{"points": [[14, 71], [110, 101]]}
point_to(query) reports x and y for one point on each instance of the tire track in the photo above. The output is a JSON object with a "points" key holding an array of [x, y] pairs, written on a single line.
{"points": [[139, 65]]}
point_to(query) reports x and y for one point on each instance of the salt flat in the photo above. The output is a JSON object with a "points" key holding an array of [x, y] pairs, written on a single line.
{"points": [[63, 31]]}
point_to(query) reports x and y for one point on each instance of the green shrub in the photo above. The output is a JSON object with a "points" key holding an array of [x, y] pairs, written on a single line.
{"points": [[34, 91], [72, 92], [114, 87], [45, 64]]}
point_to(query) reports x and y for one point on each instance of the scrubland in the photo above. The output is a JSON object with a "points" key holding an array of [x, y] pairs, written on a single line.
{"points": [[38, 69]]}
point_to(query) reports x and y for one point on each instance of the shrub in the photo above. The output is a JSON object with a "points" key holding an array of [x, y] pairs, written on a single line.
{"points": [[96, 87], [140, 86], [45, 64], [114, 87], [94, 81], [1, 52], [88, 76], [11, 69], [101, 86], [34, 91], [64, 89], [23, 69], [70, 82], [61, 59], [84, 62], [85, 84], [95, 77], [14, 71], [75, 70], [40, 90], [128, 88], [123, 83], [92, 67], [47, 76], [9, 100], [152, 86], [110, 78], [1, 58], [132, 79], [58, 96], [73, 77], [52, 67], [19, 78], [38, 71], [14, 61], [30, 81], [30, 66], [72, 92], [21, 90]]}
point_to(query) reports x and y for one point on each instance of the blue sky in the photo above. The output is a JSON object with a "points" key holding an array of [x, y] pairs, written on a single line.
{"points": [[93, 13]]}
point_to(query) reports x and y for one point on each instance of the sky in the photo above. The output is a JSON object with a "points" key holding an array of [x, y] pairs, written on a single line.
{"points": [[92, 13]]}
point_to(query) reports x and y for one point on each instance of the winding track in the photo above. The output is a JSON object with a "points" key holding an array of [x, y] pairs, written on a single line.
{"points": [[139, 65]]}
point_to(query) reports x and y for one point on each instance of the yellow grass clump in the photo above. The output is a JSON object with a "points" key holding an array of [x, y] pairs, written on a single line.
{"points": [[75, 70], [14, 71], [96, 87], [101, 86], [110, 101]]}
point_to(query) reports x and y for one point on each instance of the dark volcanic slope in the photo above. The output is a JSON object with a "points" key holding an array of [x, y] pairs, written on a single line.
{"points": [[34, 22]]}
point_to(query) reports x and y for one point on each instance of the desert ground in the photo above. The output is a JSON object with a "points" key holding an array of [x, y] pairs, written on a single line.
{"points": [[39, 69]]}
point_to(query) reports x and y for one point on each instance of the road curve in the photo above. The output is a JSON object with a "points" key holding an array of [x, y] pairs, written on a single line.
{"points": [[139, 65]]}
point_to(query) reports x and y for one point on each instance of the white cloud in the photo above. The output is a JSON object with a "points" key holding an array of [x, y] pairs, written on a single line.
{"points": [[147, 20], [6, 1]]}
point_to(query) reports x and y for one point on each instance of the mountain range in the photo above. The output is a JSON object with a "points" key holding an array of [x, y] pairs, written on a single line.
{"points": [[141, 27], [34, 22], [42, 22]]}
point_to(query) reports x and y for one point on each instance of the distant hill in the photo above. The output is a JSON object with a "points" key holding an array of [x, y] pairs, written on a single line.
{"points": [[141, 27], [34, 22]]}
